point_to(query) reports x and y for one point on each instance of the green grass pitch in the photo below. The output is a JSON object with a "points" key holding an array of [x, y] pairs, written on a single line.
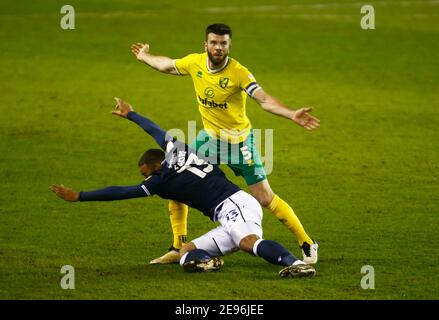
{"points": [[365, 185]]}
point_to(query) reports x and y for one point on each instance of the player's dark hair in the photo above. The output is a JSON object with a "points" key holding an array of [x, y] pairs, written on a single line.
{"points": [[220, 29], [151, 156]]}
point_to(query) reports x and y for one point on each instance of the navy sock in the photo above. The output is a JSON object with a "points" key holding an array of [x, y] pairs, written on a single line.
{"points": [[197, 255], [275, 253]]}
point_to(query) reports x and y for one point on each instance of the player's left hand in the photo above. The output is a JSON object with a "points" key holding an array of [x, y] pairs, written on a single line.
{"points": [[304, 119], [65, 193], [122, 108]]}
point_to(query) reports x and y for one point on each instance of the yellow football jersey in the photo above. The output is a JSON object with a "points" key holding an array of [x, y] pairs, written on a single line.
{"points": [[221, 95]]}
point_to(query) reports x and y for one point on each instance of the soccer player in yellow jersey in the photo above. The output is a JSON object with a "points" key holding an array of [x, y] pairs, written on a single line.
{"points": [[222, 85]]}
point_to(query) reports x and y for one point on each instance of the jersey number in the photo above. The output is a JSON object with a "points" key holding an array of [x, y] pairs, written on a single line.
{"points": [[193, 159]]}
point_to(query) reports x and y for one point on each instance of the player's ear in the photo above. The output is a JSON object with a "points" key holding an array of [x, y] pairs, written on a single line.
{"points": [[205, 45]]}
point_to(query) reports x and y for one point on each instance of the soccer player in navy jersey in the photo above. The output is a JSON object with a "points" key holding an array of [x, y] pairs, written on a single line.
{"points": [[222, 86], [177, 173]]}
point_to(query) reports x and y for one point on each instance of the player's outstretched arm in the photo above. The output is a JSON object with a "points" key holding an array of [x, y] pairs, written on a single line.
{"points": [[159, 63], [105, 194], [299, 116], [125, 110]]}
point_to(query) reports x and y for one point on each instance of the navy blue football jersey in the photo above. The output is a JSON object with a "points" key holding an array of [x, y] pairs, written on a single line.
{"points": [[183, 176], [189, 179]]}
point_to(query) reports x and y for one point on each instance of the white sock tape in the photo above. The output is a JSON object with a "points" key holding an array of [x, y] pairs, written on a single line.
{"points": [[183, 258], [255, 246]]}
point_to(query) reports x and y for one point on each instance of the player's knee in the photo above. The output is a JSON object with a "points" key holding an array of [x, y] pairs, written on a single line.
{"points": [[264, 198], [263, 193], [186, 248], [246, 243]]}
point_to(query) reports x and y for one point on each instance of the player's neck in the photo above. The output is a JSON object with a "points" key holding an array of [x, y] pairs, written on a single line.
{"points": [[215, 68]]}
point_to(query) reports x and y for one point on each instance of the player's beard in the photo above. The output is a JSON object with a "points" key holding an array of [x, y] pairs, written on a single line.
{"points": [[214, 60]]}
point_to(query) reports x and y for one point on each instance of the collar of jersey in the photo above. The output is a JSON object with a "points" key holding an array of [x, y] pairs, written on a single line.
{"points": [[216, 71]]}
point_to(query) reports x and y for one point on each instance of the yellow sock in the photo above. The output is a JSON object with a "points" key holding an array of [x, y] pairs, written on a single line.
{"points": [[178, 216], [286, 215]]}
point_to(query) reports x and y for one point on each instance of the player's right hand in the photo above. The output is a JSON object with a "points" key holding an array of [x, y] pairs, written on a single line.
{"points": [[140, 50], [65, 193], [304, 119], [122, 108]]}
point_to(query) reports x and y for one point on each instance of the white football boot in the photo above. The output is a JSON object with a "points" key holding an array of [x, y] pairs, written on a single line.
{"points": [[310, 252]]}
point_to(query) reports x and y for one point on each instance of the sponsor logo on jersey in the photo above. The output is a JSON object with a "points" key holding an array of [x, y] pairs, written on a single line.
{"points": [[223, 82], [208, 92], [211, 104], [200, 74]]}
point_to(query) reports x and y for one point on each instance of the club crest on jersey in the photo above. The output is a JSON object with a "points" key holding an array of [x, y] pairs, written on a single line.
{"points": [[232, 215], [223, 82], [181, 158]]}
